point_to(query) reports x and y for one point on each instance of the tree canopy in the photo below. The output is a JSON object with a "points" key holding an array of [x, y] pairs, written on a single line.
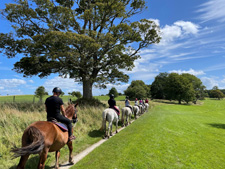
{"points": [[91, 41], [184, 87], [114, 92], [137, 89], [40, 92], [75, 94]]}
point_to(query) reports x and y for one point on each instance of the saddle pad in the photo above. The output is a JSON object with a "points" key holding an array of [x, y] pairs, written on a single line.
{"points": [[62, 126]]}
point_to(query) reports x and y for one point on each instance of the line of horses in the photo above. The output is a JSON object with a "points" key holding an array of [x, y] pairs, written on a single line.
{"points": [[111, 116], [42, 137]]}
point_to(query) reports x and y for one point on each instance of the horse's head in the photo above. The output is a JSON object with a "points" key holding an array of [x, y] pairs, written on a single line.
{"points": [[71, 111]]}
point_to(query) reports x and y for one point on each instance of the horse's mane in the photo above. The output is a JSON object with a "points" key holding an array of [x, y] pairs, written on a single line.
{"points": [[70, 110]]}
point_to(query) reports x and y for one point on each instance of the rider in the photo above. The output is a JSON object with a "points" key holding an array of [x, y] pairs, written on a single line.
{"points": [[53, 106], [112, 104], [127, 103], [146, 100], [136, 102]]}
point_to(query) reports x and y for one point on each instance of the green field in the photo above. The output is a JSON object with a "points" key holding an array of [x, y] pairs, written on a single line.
{"points": [[169, 136], [31, 98]]}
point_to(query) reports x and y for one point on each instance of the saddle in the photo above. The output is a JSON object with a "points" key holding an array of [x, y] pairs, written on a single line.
{"points": [[115, 110], [62, 126]]}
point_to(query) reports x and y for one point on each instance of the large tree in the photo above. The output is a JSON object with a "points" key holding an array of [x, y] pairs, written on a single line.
{"points": [[179, 88], [158, 86], [114, 92], [40, 92], [199, 88], [137, 89], [91, 41]]}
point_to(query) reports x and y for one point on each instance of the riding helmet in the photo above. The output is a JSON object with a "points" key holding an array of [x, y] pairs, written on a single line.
{"points": [[57, 90], [112, 96]]}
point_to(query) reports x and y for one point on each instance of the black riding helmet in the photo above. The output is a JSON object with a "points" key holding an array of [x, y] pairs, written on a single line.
{"points": [[57, 90], [111, 96]]}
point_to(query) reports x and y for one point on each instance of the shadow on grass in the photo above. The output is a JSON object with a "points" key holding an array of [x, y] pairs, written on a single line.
{"points": [[95, 133], [32, 163], [217, 125], [171, 102]]}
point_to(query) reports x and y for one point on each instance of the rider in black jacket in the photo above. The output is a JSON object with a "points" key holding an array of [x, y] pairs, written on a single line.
{"points": [[53, 106]]}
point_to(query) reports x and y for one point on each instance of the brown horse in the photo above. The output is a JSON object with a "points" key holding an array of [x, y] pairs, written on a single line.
{"points": [[42, 137]]}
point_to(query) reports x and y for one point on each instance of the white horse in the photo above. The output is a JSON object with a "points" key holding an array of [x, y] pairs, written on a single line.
{"points": [[126, 111], [136, 110], [146, 107], [141, 108], [109, 115]]}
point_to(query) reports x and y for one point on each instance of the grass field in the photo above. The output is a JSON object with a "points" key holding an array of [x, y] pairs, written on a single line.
{"points": [[169, 136], [31, 98]]}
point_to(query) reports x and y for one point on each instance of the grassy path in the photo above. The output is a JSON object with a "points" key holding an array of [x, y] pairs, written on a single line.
{"points": [[169, 136]]}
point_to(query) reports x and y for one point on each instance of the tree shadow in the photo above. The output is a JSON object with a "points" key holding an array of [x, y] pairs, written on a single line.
{"points": [[32, 163], [95, 133], [217, 125], [171, 102]]}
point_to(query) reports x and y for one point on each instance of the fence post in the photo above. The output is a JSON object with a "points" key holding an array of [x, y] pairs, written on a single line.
{"points": [[14, 99], [33, 99]]}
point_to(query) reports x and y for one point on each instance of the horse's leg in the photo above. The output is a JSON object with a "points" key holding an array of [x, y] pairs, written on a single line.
{"points": [[130, 119], [111, 129], [43, 157], [22, 162], [57, 155], [126, 119], [116, 126], [105, 129], [70, 146], [110, 123]]}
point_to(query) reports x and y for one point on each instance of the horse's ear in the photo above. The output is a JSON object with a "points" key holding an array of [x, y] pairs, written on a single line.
{"points": [[70, 101], [76, 105]]}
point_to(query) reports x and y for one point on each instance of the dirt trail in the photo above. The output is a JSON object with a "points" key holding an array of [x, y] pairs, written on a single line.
{"points": [[81, 155]]}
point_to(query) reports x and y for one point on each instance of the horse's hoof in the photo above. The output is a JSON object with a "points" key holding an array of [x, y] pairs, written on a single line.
{"points": [[71, 162]]}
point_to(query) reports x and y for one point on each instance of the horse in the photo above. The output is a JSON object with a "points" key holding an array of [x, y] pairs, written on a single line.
{"points": [[136, 111], [109, 115], [42, 137], [126, 111], [146, 106], [141, 107]]}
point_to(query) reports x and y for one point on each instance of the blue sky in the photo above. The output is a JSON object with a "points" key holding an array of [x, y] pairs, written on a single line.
{"points": [[193, 41]]}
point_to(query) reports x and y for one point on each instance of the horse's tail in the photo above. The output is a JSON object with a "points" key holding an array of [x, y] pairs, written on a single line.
{"points": [[33, 141], [104, 114]]}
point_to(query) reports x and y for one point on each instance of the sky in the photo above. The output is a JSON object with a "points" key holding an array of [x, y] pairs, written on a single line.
{"points": [[193, 41]]}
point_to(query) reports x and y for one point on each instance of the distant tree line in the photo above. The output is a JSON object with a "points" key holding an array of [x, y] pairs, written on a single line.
{"points": [[215, 92], [180, 87]]}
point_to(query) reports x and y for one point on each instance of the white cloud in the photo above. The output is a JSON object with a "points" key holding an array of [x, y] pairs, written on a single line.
{"points": [[190, 71], [209, 82], [11, 83], [31, 81], [188, 27], [178, 31], [66, 84], [69, 85], [212, 10]]}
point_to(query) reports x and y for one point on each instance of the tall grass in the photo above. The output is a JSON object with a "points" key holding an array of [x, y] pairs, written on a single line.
{"points": [[16, 117]]}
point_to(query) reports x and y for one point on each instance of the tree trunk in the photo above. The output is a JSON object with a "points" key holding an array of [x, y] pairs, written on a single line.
{"points": [[87, 89]]}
